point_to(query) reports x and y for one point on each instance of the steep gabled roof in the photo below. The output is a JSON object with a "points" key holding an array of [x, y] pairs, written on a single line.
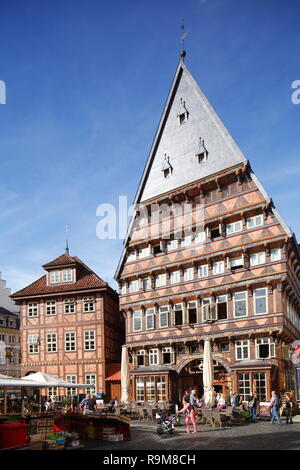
{"points": [[63, 260], [85, 279]]}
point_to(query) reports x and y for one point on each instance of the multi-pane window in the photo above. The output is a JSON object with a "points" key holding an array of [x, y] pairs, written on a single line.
{"points": [[90, 340], [260, 386], [222, 307], [147, 284], [181, 350], [140, 389], [150, 314], [203, 270], [160, 280], [90, 379], [244, 385], [218, 267], [88, 304], [52, 392], [67, 275], [265, 348], [161, 388], [144, 252], [224, 347], [260, 301], [142, 357], [72, 378], [153, 357], [137, 320], [236, 263], [178, 314], [164, 316], [172, 245], [189, 274], [134, 286], [200, 237], [131, 256], [150, 388], [175, 277], [54, 277], [51, 307], [234, 227], [276, 254], [256, 221], [257, 258], [51, 342], [33, 309], [70, 341], [33, 344], [240, 304], [69, 305], [242, 349]]}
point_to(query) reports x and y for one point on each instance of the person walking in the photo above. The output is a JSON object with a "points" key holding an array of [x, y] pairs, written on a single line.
{"points": [[84, 404], [288, 408], [252, 405], [275, 405], [190, 416]]}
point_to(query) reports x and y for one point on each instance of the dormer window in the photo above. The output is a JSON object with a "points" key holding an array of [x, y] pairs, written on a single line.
{"points": [[183, 113], [54, 277], [67, 275], [166, 167], [202, 153]]}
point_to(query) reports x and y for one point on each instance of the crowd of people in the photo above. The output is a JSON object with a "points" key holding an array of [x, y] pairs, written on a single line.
{"points": [[191, 405]]}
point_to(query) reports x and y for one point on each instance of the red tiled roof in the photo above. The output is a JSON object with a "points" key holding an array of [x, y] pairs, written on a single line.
{"points": [[85, 279], [113, 372], [62, 260]]}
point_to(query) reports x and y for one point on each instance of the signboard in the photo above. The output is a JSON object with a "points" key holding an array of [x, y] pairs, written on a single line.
{"points": [[264, 408]]}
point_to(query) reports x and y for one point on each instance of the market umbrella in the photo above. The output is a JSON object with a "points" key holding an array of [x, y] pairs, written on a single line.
{"points": [[208, 373], [48, 380], [125, 378]]}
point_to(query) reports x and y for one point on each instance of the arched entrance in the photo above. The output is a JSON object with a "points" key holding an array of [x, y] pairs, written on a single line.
{"points": [[190, 376]]}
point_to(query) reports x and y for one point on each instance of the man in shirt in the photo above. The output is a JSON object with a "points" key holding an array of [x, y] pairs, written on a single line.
{"points": [[275, 405]]}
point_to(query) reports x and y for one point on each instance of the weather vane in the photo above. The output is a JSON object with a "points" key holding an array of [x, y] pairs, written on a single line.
{"points": [[67, 241], [182, 38]]}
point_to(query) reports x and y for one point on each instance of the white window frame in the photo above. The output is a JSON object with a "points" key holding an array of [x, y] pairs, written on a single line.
{"points": [[50, 308], [275, 257], [69, 304], [137, 315], [257, 296], [90, 379], [33, 344], [134, 286], [189, 274], [239, 300], [175, 277], [200, 237], [123, 288], [54, 277], [161, 280], [218, 267], [172, 245], [257, 259], [89, 304], [51, 342], [150, 313], [257, 220], [33, 309], [164, 309], [70, 341], [72, 378], [241, 344], [168, 350], [271, 344], [131, 256], [89, 340], [153, 357], [200, 268], [67, 275], [234, 227]]}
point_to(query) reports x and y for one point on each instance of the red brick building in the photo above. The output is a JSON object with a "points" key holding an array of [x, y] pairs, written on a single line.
{"points": [[71, 325], [234, 278]]}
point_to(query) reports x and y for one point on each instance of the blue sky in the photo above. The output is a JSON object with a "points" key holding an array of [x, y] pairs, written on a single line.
{"points": [[86, 84]]}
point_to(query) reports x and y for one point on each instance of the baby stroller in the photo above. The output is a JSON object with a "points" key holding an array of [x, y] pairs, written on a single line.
{"points": [[165, 423]]}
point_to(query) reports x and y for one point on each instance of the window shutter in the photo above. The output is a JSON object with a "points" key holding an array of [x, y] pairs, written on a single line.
{"points": [[257, 350], [205, 312], [272, 350]]}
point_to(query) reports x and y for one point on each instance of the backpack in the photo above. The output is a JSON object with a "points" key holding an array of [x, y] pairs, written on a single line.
{"points": [[277, 402]]}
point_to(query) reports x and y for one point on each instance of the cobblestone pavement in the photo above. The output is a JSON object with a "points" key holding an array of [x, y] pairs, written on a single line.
{"points": [[259, 436]]}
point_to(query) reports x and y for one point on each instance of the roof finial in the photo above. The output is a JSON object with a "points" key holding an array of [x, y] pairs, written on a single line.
{"points": [[182, 38], [67, 241]]}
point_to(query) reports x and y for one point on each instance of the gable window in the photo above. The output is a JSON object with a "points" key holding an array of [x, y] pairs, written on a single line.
{"points": [[54, 277], [276, 254], [69, 305], [175, 277], [182, 115], [178, 314], [218, 267], [260, 301], [265, 348], [189, 274], [137, 320], [202, 152], [256, 221], [234, 227], [51, 342], [89, 304], [242, 349], [203, 270], [257, 258], [33, 309], [90, 340], [150, 313], [50, 307], [67, 275], [70, 341], [168, 355], [192, 312], [163, 316], [240, 304]]}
